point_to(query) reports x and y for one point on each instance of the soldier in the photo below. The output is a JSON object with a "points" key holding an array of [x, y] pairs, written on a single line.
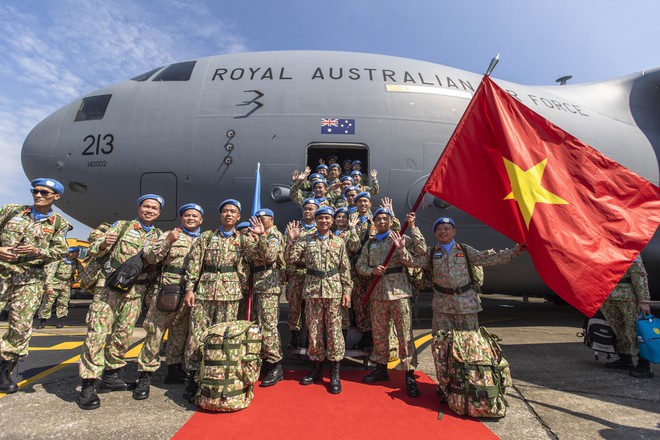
{"points": [[346, 167], [59, 279], [112, 315], [171, 249], [30, 237], [295, 274], [390, 298], [333, 173], [455, 301], [627, 300], [357, 178], [267, 267], [322, 170], [327, 288], [332, 159], [215, 278], [319, 191]]}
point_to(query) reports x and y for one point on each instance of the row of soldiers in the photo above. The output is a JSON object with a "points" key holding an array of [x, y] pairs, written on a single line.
{"points": [[329, 258]]}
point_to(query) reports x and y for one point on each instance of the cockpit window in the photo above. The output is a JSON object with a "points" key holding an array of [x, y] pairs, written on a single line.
{"points": [[176, 72], [145, 76], [93, 107]]}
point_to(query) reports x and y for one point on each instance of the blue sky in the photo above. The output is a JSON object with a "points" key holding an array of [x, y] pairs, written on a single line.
{"points": [[52, 52]]}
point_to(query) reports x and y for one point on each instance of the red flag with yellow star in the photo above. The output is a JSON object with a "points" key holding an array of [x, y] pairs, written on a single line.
{"points": [[583, 216]]}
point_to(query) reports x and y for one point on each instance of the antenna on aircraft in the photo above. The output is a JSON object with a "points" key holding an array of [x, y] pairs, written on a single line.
{"points": [[562, 81], [492, 65]]}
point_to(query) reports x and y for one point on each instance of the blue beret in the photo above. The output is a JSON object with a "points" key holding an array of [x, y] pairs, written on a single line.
{"points": [[356, 162], [74, 249], [356, 172], [49, 183], [332, 156], [188, 206], [362, 194], [383, 211], [322, 167], [443, 220], [351, 188], [324, 210], [155, 197], [234, 202], [340, 210], [314, 176], [346, 178], [242, 225], [335, 165], [311, 201], [320, 181], [352, 209], [346, 160], [264, 211]]}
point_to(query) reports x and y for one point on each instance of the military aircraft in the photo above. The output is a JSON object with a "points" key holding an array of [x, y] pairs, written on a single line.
{"points": [[195, 130]]}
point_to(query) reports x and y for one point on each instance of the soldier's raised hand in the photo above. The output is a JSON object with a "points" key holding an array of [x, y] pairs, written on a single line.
{"points": [[174, 235], [294, 175], [399, 240], [353, 222], [321, 161], [410, 218], [386, 202], [109, 240], [293, 229], [256, 226], [373, 173]]}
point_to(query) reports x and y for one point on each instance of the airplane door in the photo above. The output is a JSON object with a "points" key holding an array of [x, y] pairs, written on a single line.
{"points": [[164, 184]]}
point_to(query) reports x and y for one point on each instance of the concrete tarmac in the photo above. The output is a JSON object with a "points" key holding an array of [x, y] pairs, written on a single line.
{"points": [[560, 390]]}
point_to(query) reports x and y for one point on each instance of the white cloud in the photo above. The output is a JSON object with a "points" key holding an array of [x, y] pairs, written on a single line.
{"points": [[54, 52]]}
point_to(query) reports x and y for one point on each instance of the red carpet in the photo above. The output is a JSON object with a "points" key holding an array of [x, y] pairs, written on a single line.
{"points": [[292, 411]]}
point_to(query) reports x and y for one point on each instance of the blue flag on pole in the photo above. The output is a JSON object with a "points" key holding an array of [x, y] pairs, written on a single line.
{"points": [[256, 201]]}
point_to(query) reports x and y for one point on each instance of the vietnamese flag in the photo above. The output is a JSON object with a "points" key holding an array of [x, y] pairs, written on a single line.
{"points": [[583, 216]]}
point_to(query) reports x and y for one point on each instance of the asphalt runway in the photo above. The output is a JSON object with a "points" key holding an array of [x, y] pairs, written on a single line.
{"points": [[560, 390]]}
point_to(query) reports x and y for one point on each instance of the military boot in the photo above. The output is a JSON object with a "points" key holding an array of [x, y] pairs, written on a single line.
{"points": [[314, 375], [143, 386], [411, 384], [275, 374], [7, 385], [60, 323], [191, 386], [112, 381], [378, 375], [295, 340], [624, 361], [176, 374], [42, 324], [335, 382], [88, 399], [643, 370], [366, 342]]}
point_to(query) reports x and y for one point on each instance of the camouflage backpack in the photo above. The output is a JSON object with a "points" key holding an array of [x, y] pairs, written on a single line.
{"points": [[230, 366], [89, 275], [471, 371]]}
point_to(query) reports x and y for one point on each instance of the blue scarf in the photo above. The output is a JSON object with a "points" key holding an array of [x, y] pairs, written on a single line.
{"points": [[339, 231], [447, 247], [308, 227], [321, 237], [363, 219], [66, 261], [146, 228], [225, 234], [383, 236], [37, 216], [320, 200], [194, 233]]}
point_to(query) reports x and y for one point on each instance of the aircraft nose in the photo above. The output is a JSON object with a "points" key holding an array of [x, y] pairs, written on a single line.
{"points": [[38, 152]]}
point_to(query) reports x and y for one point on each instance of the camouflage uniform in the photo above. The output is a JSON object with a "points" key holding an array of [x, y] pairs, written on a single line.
{"points": [[112, 315], [173, 257], [22, 282], [455, 302], [620, 307], [217, 273], [267, 279], [345, 317], [390, 298], [328, 278], [295, 275], [298, 196], [59, 277]]}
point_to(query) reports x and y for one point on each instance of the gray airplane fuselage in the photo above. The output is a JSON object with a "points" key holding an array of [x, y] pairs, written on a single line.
{"points": [[195, 131]]}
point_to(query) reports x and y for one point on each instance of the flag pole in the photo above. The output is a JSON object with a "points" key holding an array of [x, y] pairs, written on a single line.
{"points": [[256, 206], [376, 279]]}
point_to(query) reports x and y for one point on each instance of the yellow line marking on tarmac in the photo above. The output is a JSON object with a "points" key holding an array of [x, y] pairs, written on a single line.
{"points": [[35, 378], [418, 343], [135, 351], [60, 346]]}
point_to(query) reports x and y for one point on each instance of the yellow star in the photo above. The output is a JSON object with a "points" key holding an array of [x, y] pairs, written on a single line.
{"points": [[527, 189]]}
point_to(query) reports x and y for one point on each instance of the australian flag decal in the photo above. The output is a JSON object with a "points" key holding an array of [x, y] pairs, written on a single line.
{"points": [[337, 126]]}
